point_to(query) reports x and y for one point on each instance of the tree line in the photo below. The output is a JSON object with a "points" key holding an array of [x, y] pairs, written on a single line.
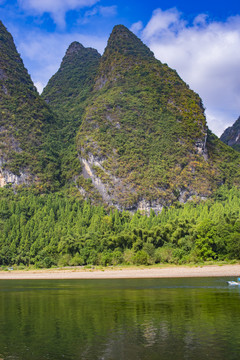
{"points": [[58, 230]]}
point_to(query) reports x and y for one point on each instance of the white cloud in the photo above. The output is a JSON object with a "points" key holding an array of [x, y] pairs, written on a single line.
{"points": [[56, 8], [136, 27], [107, 11], [39, 86], [104, 11], [206, 55], [162, 22]]}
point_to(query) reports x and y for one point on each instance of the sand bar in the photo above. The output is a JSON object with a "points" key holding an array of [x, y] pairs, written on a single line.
{"points": [[125, 273]]}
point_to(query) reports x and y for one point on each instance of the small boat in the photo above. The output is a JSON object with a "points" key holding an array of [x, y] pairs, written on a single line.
{"points": [[233, 283]]}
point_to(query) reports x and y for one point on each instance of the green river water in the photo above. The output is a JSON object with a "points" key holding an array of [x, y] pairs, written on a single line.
{"points": [[119, 319]]}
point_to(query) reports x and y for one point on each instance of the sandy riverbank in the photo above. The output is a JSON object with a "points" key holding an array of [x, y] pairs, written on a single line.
{"points": [[125, 273]]}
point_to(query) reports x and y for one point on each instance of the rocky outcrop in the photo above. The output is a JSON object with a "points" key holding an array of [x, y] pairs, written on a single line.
{"points": [[201, 147], [89, 173], [8, 178], [145, 206]]}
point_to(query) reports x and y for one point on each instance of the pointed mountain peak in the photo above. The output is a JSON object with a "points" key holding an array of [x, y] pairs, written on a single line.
{"points": [[12, 70], [76, 52], [6, 41], [2, 27], [74, 47], [123, 41]]}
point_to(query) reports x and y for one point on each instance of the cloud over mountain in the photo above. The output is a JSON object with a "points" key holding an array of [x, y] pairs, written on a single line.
{"points": [[206, 55], [56, 8]]}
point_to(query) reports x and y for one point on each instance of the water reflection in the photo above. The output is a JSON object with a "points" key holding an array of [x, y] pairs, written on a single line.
{"points": [[119, 319]]}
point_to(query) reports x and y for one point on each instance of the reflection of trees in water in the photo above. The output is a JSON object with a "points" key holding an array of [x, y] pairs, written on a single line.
{"points": [[84, 320], [149, 333]]}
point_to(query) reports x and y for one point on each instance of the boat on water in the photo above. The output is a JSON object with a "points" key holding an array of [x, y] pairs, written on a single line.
{"points": [[234, 283]]}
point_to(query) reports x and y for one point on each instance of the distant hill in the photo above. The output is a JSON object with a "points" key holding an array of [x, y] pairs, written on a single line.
{"points": [[28, 137], [231, 135]]}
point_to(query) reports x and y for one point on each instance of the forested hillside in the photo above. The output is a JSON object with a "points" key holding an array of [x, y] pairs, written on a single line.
{"points": [[57, 230], [68, 93], [29, 143]]}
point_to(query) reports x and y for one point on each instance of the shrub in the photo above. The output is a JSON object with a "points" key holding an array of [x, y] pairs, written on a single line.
{"points": [[141, 258], [164, 255], [128, 256], [76, 260], [64, 260]]}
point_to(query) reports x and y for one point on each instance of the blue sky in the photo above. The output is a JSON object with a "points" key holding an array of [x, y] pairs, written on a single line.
{"points": [[201, 40]]}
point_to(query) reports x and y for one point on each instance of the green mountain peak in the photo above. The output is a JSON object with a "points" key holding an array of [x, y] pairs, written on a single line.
{"points": [[67, 93], [25, 122], [74, 47], [123, 42], [73, 80]]}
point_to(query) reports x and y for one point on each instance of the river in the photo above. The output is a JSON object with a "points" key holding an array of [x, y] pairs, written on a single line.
{"points": [[130, 319]]}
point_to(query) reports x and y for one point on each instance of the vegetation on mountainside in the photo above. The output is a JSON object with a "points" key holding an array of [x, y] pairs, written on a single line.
{"points": [[225, 161], [28, 132], [231, 135], [67, 93], [147, 128], [56, 229], [67, 90]]}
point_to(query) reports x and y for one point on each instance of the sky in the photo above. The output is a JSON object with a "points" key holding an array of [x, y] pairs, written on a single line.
{"points": [[200, 39]]}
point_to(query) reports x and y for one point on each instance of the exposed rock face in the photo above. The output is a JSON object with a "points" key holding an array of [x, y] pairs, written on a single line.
{"points": [[231, 135], [146, 206], [89, 173], [8, 178], [108, 187], [201, 147]]}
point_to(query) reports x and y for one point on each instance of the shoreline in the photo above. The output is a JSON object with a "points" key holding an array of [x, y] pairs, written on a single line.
{"points": [[124, 273]]}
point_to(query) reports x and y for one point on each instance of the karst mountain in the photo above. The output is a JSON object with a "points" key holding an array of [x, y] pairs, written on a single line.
{"points": [[123, 128]]}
